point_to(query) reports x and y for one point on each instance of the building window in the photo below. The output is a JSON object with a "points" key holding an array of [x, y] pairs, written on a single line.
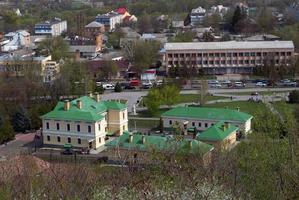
{"points": [[48, 138], [47, 125], [79, 141], [57, 126], [211, 55], [58, 139], [229, 54], [206, 125], [124, 116], [222, 55], [78, 128], [247, 54], [100, 140], [89, 129], [259, 54], [252, 54], [69, 140], [68, 127], [193, 123], [124, 128], [170, 122], [199, 124], [241, 54], [235, 54]]}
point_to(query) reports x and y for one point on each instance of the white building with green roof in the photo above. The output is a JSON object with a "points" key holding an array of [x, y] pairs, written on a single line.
{"points": [[84, 122], [203, 118]]}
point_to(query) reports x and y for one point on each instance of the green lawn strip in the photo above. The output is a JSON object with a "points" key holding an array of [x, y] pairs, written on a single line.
{"points": [[245, 106], [189, 98], [249, 93], [140, 123]]}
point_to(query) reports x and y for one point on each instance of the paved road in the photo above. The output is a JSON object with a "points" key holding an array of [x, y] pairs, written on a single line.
{"points": [[134, 96], [21, 144]]}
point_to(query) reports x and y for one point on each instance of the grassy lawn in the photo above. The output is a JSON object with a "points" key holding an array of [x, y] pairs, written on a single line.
{"points": [[148, 114], [143, 124], [245, 106], [283, 107], [260, 93], [189, 98]]}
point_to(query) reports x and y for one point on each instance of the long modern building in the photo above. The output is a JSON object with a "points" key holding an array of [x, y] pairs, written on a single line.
{"points": [[239, 57]]}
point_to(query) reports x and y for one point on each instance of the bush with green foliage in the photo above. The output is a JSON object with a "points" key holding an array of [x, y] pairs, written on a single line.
{"points": [[6, 131], [294, 97], [20, 120], [117, 87]]}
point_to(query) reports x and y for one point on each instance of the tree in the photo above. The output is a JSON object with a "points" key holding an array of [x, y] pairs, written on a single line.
{"points": [[207, 37], [6, 131], [294, 97], [108, 70], [144, 24], [57, 47], [204, 86], [114, 38], [20, 120], [142, 54], [170, 94], [238, 19], [265, 20], [117, 87], [187, 36], [153, 100]]}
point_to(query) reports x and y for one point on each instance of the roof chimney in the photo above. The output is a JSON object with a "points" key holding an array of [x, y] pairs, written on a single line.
{"points": [[90, 94], [143, 139], [238, 109], [130, 138], [227, 124], [97, 97], [79, 104], [67, 105]]}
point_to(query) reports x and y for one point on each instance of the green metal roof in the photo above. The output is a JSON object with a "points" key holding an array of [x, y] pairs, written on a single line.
{"points": [[207, 113], [218, 132], [159, 143], [90, 112]]}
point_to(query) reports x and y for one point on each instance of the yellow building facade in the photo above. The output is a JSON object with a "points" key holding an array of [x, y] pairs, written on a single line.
{"points": [[84, 122]]}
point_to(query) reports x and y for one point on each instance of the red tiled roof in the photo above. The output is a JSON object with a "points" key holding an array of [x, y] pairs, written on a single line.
{"points": [[121, 10]]}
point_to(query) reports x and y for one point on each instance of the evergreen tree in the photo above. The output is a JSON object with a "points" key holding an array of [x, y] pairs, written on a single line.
{"points": [[20, 120], [6, 131]]}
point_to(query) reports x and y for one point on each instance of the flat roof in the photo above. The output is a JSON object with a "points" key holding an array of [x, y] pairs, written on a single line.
{"points": [[229, 45]]}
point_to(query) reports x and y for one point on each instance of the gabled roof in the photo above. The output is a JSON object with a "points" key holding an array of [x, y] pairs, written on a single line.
{"points": [[91, 110], [207, 113], [94, 24], [218, 132], [159, 143]]}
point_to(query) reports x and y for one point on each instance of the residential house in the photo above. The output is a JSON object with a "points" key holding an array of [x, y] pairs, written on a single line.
{"points": [[54, 27], [84, 122], [203, 118], [197, 16], [134, 142], [94, 28], [15, 40], [110, 20], [17, 62], [51, 71], [222, 135]]}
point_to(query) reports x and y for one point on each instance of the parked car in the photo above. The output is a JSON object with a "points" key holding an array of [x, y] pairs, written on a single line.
{"points": [[213, 82], [108, 86], [226, 82], [67, 152], [254, 94], [291, 84], [284, 81], [217, 85], [239, 84], [260, 84], [147, 85], [159, 82]]}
